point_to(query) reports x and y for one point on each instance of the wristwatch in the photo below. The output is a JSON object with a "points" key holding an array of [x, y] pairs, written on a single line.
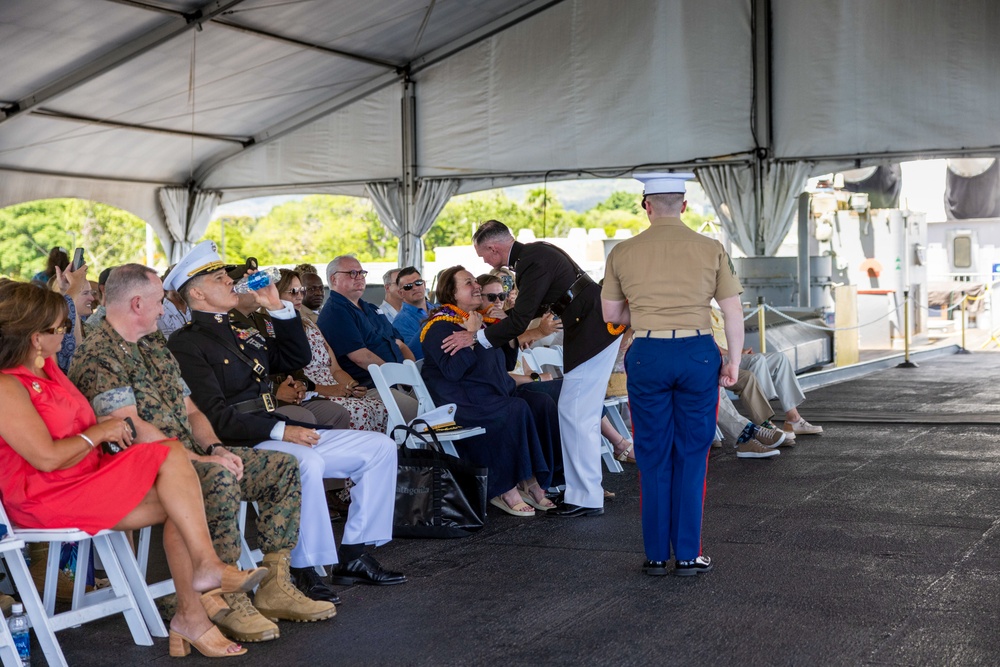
{"points": [[535, 377], [211, 448]]}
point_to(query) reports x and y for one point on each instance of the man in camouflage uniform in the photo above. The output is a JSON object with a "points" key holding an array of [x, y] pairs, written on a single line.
{"points": [[125, 369]]}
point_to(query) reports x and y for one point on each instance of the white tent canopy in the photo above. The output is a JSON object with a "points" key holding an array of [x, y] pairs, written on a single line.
{"points": [[134, 102]]}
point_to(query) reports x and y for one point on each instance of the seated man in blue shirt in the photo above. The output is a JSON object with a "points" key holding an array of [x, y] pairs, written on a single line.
{"points": [[356, 330], [414, 310]]}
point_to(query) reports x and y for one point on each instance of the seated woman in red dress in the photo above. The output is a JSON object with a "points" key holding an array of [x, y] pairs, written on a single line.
{"points": [[54, 473]]}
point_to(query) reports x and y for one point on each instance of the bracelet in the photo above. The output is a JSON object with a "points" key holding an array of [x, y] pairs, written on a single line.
{"points": [[88, 440]]}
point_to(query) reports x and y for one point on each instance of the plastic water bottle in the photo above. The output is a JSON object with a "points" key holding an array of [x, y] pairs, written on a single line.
{"points": [[18, 624], [256, 281]]}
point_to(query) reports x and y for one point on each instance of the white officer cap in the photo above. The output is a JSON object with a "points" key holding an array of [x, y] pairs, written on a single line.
{"points": [[203, 258], [663, 182]]}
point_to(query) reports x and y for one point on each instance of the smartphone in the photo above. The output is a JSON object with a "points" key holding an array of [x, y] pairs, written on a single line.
{"points": [[113, 448], [77, 259]]}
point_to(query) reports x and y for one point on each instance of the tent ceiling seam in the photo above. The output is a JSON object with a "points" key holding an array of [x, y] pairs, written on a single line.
{"points": [[88, 120], [114, 58]]}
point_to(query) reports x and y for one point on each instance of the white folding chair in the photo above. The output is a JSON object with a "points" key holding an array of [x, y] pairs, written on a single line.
{"points": [[390, 374], [13, 558], [128, 593], [539, 357]]}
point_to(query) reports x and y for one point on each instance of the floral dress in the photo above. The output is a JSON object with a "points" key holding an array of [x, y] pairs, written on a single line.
{"points": [[367, 413]]}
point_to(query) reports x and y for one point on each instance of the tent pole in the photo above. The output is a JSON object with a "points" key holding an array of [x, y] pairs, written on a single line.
{"points": [[409, 152]]}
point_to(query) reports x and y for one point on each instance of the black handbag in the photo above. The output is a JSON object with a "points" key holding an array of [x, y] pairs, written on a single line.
{"points": [[437, 495]]}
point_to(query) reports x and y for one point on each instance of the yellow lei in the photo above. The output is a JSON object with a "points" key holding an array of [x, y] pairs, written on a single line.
{"points": [[451, 313]]}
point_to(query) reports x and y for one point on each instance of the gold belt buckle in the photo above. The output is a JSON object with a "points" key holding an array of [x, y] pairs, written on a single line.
{"points": [[258, 367], [268, 402]]}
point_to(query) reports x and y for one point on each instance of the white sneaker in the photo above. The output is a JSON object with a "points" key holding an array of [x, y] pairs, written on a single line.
{"points": [[802, 427]]}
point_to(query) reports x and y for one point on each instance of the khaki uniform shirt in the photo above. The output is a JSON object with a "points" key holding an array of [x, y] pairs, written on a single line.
{"points": [[113, 373], [669, 275]]}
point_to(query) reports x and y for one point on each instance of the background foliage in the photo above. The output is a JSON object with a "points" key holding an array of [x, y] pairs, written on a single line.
{"points": [[313, 229]]}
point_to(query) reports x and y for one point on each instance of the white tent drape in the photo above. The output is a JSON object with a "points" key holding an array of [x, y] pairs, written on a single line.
{"points": [[730, 187], [431, 197], [186, 217], [783, 183]]}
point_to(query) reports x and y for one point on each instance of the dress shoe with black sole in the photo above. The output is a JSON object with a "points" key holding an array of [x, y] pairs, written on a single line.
{"points": [[569, 511], [365, 570], [307, 580], [691, 568], [655, 568]]}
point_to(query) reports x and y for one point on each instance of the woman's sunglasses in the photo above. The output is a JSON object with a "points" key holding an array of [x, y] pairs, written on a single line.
{"points": [[493, 298], [296, 291], [65, 328]]}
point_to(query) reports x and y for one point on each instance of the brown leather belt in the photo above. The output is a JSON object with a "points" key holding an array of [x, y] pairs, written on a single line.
{"points": [[263, 403], [672, 333]]}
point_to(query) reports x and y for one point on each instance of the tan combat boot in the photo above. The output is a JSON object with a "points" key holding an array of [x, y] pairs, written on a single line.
{"points": [[279, 599], [244, 623]]}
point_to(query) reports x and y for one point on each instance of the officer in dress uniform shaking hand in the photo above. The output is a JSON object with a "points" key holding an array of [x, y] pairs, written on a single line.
{"points": [[548, 280], [662, 282], [227, 368]]}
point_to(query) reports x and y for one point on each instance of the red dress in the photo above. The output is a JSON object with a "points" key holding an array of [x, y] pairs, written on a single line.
{"points": [[97, 492]]}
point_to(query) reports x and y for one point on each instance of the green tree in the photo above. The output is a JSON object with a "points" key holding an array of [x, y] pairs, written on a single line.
{"points": [[620, 201], [109, 236]]}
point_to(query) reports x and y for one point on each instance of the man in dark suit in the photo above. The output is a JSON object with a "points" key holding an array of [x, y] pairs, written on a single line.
{"points": [[549, 280]]}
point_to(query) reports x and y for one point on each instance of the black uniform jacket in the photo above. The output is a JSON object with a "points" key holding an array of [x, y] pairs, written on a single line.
{"points": [[543, 273], [219, 379]]}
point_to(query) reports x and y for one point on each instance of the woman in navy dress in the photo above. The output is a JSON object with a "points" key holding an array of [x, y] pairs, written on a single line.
{"points": [[522, 428]]}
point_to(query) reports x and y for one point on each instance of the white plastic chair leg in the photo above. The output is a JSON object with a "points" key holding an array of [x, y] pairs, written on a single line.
{"points": [[137, 584], [36, 611], [113, 568]]}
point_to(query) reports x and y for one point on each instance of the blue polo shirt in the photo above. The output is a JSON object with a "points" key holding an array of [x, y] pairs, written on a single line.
{"points": [[407, 324], [348, 328]]}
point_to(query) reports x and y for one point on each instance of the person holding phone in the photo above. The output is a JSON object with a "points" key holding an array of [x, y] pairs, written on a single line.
{"points": [[53, 474]]}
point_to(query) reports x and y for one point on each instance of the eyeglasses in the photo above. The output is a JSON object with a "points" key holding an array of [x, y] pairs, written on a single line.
{"points": [[493, 298], [354, 274], [65, 328], [408, 286], [296, 291]]}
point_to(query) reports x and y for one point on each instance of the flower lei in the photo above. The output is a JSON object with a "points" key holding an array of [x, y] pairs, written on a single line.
{"points": [[451, 313], [616, 330]]}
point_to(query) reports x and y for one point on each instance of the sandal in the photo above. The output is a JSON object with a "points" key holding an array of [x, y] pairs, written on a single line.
{"points": [[516, 510], [625, 456], [211, 644], [528, 498]]}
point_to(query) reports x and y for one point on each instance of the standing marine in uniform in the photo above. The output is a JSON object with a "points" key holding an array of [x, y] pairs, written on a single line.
{"points": [[226, 369], [549, 280], [662, 282]]}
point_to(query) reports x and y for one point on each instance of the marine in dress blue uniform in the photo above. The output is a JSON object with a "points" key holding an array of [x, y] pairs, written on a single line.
{"points": [[662, 282]]}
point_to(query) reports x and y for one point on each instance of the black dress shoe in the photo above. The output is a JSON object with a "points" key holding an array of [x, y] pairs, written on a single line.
{"points": [[570, 511], [312, 585], [690, 568], [655, 568], [365, 570]]}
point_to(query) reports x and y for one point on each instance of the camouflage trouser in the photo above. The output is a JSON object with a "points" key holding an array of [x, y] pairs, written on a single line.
{"points": [[271, 479]]}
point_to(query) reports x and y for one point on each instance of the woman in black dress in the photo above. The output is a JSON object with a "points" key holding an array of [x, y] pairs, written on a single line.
{"points": [[521, 444]]}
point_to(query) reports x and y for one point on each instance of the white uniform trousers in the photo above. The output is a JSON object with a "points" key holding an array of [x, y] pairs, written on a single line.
{"points": [[581, 404], [776, 377], [369, 459]]}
